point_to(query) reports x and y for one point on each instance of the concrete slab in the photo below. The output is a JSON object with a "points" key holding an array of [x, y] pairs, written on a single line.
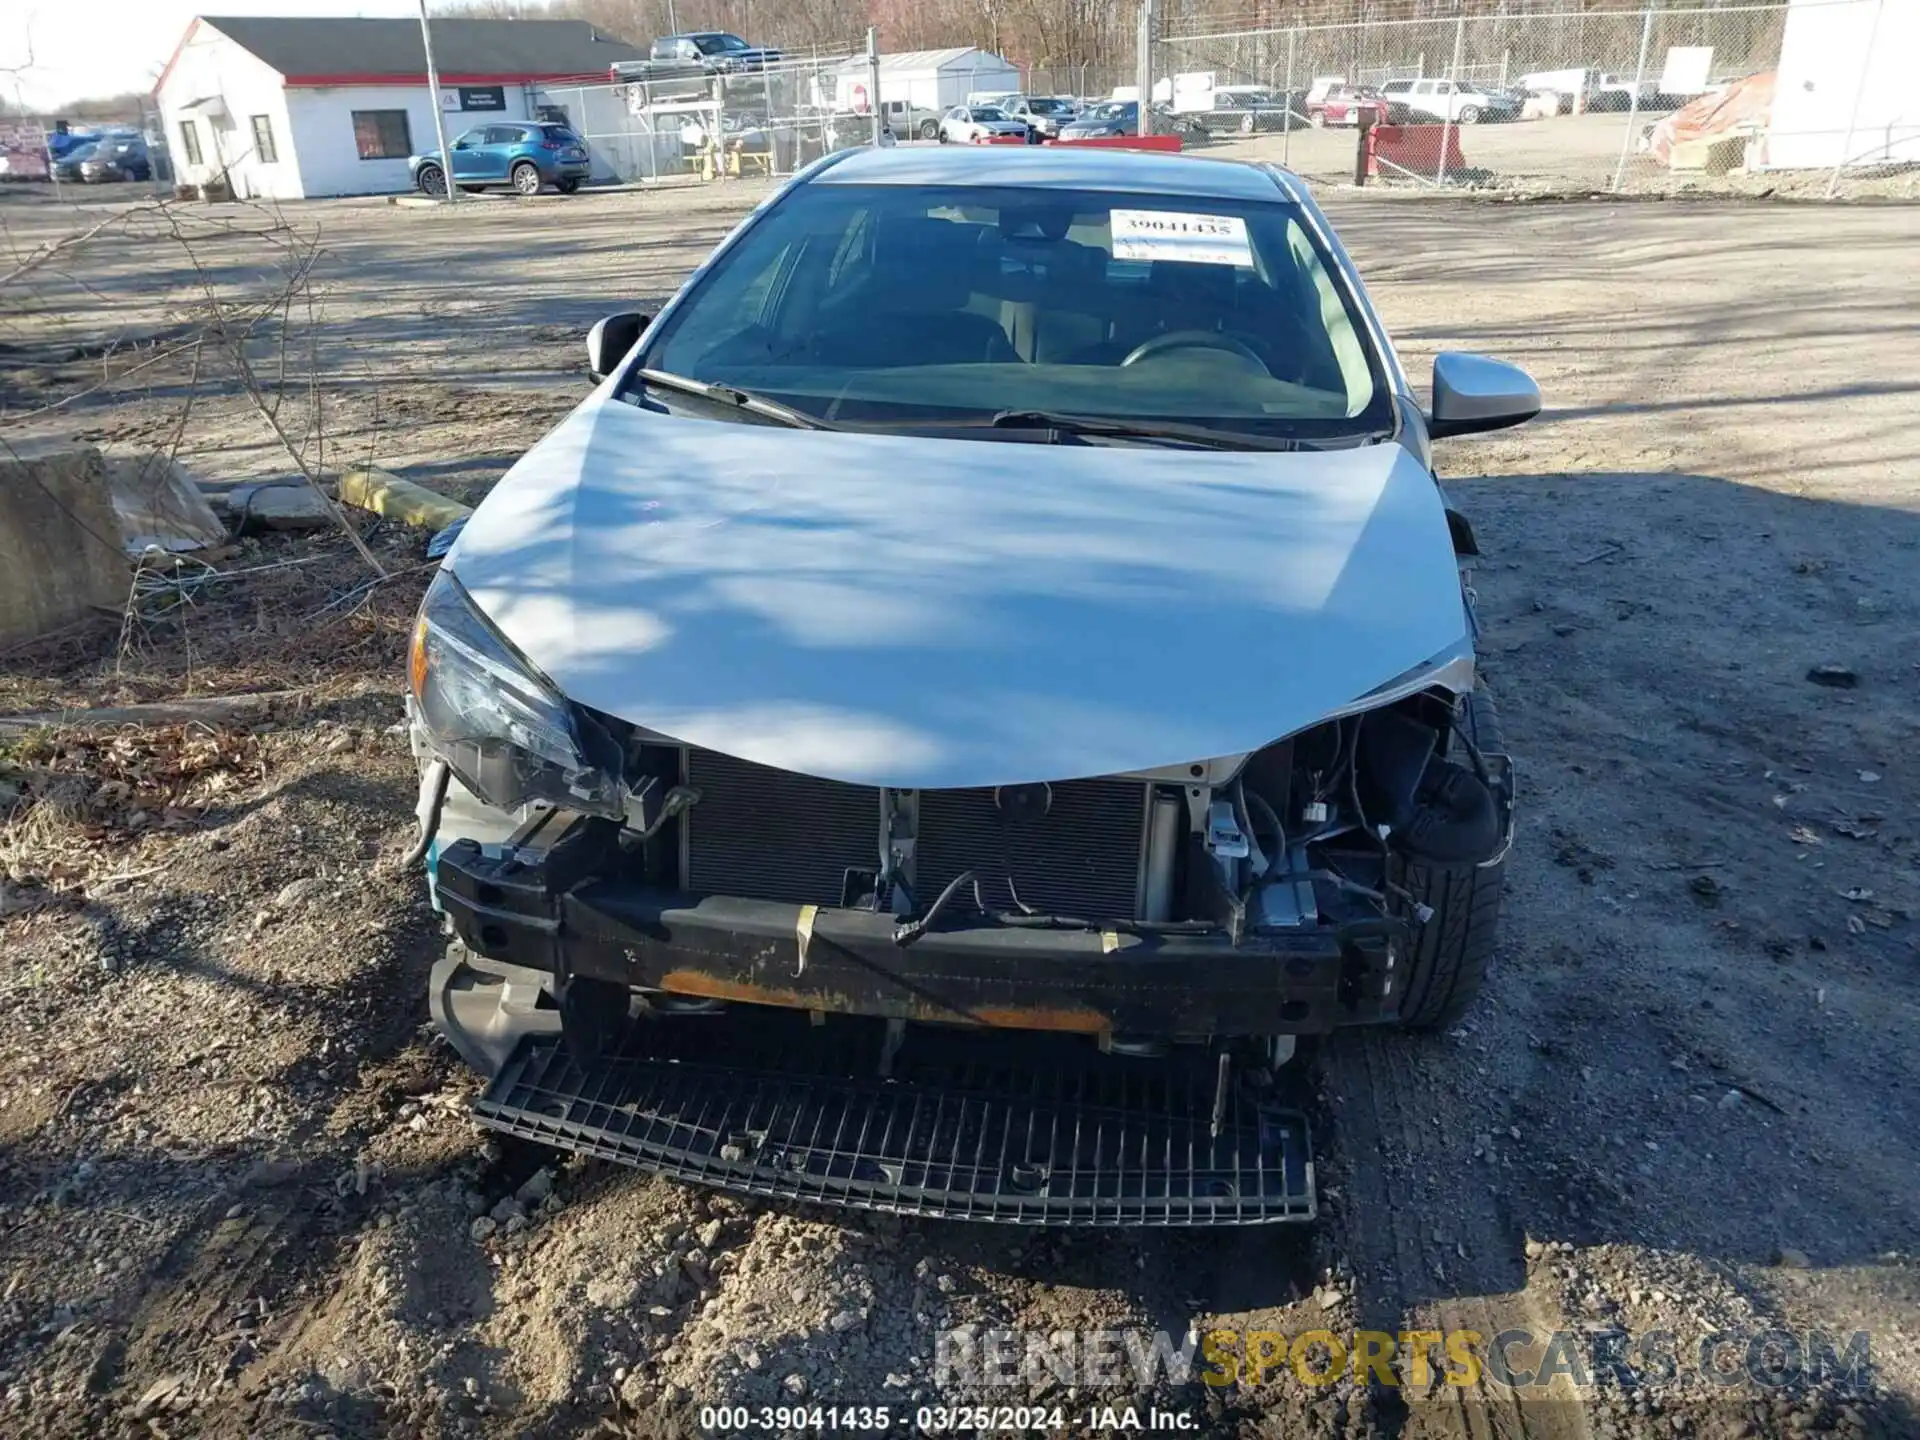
{"points": [[60, 547]]}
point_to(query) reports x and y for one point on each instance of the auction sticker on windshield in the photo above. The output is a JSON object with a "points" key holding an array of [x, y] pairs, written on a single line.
{"points": [[1169, 235]]}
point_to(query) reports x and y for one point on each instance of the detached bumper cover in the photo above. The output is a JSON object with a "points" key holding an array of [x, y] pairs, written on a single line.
{"points": [[961, 1129], [548, 914]]}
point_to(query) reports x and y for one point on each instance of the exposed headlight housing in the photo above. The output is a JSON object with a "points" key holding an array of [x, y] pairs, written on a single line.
{"points": [[501, 726]]}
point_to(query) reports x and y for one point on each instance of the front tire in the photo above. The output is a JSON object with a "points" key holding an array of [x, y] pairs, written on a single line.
{"points": [[525, 178], [1469, 115], [1451, 950], [1318, 119], [432, 180], [1247, 125]]}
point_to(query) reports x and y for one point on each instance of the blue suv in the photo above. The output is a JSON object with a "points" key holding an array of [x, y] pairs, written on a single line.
{"points": [[524, 154]]}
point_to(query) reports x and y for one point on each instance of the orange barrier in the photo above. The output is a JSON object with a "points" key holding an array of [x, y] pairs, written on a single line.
{"points": [[1412, 147]]}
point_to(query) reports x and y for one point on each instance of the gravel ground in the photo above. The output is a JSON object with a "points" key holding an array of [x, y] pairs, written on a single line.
{"points": [[238, 1192]]}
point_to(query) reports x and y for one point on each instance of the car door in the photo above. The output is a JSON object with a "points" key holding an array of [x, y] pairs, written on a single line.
{"points": [[470, 157], [507, 144]]}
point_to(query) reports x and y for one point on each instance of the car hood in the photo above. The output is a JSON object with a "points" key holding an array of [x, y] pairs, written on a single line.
{"points": [[924, 612]]}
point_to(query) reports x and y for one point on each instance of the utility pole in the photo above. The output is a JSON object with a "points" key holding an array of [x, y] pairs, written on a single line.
{"points": [[1143, 68], [873, 81], [1286, 98], [439, 115]]}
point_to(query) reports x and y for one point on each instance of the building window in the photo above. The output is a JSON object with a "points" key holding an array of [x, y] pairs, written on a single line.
{"points": [[263, 140], [190, 142], [382, 134]]}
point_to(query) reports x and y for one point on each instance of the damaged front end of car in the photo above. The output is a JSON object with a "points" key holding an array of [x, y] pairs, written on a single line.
{"points": [[1038, 1001]]}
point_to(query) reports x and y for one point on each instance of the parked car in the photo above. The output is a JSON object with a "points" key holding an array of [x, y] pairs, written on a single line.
{"points": [[1320, 86], [1122, 117], [1242, 110], [907, 120], [796, 759], [67, 167], [1591, 89], [1422, 101], [1347, 105], [523, 154], [964, 124], [121, 157], [1045, 113]]}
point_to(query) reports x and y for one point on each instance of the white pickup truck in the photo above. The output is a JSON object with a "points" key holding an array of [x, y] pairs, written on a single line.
{"points": [[1424, 101]]}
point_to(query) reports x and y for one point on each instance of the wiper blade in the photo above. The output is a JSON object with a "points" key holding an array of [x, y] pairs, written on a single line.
{"points": [[740, 399], [1205, 435]]}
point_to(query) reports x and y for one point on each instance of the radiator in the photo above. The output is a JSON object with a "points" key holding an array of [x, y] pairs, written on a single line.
{"points": [[766, 834], [1081, 858]]}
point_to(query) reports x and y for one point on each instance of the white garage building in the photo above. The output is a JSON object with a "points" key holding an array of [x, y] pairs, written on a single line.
{"points": [[1844, 93], [930, 80], [289, 108]]}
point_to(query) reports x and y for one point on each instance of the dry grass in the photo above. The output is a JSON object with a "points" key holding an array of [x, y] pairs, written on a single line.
{"points": [[281, 613]]}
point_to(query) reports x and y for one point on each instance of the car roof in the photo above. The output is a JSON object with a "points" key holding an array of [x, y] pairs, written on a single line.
{"points": [[1054, 168]]}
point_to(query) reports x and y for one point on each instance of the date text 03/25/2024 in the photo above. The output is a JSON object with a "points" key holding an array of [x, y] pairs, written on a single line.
{"points": [[939, 1419]]}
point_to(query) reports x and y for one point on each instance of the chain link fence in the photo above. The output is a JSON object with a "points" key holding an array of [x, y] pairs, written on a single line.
{"points": [[771, 121], [1797, 96]]}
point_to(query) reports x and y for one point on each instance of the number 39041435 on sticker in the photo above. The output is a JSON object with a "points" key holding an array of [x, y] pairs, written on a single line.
{"points": [[1171, 235]]}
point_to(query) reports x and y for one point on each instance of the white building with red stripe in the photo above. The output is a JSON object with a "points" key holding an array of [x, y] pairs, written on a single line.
{"points": [[292, 108]]}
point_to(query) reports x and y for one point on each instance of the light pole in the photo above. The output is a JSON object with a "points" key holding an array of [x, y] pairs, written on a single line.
{"points": [[439, 115]]}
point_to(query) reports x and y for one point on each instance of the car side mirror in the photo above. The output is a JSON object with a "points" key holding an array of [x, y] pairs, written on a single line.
{"points": [[611, 338], [1472, 393]]}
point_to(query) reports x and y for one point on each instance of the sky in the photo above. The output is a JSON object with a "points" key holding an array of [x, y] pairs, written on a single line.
{"points": [[85, 48]]}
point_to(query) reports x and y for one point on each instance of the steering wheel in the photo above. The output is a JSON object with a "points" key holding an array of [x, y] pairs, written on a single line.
{"points": [[1195, 340]]}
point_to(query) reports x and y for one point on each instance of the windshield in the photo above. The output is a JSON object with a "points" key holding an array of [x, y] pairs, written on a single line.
{"points": [[908, 304], [1047, 107], [712, 43], [1112, 110], [988, 112]]}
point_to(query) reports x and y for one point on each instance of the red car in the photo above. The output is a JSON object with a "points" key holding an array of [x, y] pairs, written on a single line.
{"points": [[1344, 106]]}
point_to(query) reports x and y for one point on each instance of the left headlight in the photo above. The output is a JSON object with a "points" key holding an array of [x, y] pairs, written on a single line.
{"points": [[500, 725]]}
